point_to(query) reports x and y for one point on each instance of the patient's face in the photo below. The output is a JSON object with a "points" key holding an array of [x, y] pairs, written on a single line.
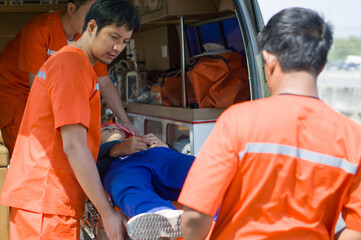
{"points": [[110, 133]]}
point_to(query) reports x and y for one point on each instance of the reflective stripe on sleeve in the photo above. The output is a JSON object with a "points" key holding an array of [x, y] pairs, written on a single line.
{"points": [[41, 74], [50, 52], [96, 87], [299, 153]]}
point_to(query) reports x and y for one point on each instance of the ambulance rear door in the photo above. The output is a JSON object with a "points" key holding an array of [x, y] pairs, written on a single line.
{"points": [[251, 23]]}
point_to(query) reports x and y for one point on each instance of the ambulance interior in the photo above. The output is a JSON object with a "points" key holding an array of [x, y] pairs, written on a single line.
{"points": [[173, 35], [168, 54]]}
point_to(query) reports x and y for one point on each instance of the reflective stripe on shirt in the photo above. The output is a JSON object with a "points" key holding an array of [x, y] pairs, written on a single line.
{"points": [[299, 153], [41, 74], [96, 87], [50, 52]]}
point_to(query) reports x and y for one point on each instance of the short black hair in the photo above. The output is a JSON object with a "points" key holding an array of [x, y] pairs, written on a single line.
{"points": [[299, 38], [107, 12]]}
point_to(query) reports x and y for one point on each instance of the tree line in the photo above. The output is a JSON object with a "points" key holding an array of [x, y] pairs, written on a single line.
{"points": [[342, 47]]}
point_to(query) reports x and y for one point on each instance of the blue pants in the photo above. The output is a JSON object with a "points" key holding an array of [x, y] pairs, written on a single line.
{"points": [[147, 181]]}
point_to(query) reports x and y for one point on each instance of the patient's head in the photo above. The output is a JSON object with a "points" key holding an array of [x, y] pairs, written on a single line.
{"points": [[111, 132]]}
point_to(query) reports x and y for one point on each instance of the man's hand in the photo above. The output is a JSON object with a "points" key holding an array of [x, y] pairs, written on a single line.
{"points": [[129, 146], [128, 125], [114, 225], [154, 141]]}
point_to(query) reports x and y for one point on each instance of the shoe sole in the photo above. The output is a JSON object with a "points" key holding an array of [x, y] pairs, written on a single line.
{"points": [[152, 226]]}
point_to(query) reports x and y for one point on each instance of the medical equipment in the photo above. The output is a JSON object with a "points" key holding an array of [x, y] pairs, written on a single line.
{"points": [[132, 84], [118, 74]]}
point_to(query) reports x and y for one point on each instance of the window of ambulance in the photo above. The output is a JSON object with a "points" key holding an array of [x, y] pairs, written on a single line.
{"points": [[339, 84], [251, 23]]}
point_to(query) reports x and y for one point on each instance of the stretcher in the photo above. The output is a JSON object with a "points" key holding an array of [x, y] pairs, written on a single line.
{"points": [[91, 222]]}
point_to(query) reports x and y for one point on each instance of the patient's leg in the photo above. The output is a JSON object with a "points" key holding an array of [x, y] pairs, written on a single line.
{"points": [[169, 170], [129, 183]]}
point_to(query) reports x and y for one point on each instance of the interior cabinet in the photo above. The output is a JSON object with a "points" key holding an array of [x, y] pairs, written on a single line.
{"points": [[184, 129]]}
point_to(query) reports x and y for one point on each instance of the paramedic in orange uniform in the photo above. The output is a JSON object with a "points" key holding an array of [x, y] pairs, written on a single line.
{"points": [[23, 56], [53, 165], [283, 167]]}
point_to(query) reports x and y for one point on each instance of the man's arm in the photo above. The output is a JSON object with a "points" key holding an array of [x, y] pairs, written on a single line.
{"points": [[31, 79], [348, 234], [112, 98], [82, 162], [195, 225]]}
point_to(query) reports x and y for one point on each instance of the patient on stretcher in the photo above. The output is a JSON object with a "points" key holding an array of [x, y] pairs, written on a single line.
{"points": [[143, 176]]}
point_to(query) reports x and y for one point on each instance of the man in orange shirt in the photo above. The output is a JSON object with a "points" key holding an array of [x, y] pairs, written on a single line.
{"points": [[22, 57], [53, 165], [282, 167]]}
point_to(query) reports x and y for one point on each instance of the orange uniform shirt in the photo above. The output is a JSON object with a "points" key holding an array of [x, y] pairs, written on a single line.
{"points": [[39, 39], [282, 167], [40, 178]]}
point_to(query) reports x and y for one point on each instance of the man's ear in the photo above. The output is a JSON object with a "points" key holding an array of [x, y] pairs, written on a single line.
{"points": [[92, 27], [270, 61], [70, 8]]}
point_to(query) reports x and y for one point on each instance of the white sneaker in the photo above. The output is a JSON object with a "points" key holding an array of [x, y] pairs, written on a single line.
{"points": [[164, 224]]}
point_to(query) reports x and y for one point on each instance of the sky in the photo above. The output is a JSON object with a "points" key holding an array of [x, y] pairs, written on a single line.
{"points": [[345, 15]]}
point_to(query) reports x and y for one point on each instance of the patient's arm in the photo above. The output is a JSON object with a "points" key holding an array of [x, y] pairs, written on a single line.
{"points": [[155, 142], [129, 146]]}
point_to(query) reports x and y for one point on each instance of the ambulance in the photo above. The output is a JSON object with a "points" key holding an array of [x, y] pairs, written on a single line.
{"points": [[187, 64]]}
